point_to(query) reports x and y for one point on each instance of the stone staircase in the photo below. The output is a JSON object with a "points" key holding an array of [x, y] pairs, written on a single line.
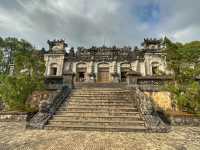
{"points": [[98, 109]]}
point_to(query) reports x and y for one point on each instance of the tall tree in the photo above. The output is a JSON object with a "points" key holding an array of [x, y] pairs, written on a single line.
{"points": [[28, 74]]}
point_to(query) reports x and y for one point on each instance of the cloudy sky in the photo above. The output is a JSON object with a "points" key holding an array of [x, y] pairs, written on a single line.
{"points": [[95, 22]]}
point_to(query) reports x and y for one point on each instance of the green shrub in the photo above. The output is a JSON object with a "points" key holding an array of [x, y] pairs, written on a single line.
{"points": [[28, 74]]}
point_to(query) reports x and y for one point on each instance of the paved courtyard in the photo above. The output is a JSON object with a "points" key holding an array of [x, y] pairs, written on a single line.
{"points": [[14, 136]]}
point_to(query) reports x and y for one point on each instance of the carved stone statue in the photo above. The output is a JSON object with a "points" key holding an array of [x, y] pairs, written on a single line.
{"points": [[57, 45], [71, 52], [44, 106]]}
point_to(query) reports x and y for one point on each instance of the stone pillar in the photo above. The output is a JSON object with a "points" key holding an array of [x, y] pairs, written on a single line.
{"points": [[11, 69], [132, 77], [68, 79], [115, 77], [91, 76]]}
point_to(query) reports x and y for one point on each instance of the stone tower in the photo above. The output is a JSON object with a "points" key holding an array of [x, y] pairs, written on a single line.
{"points": [[54, 59]]}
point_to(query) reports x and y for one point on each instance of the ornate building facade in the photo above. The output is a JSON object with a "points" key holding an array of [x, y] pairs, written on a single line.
{"points": [[105, 64]]}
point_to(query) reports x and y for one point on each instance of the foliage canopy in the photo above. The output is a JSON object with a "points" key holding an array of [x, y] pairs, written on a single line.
{"points": [[28, 74], [184, 61]]}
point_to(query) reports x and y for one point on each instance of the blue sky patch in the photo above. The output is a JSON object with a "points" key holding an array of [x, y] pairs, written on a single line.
{"points": [[148, 13]]}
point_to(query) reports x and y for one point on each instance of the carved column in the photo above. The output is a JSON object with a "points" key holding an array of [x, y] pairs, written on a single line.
{"points": [[115, 75], [91, 74]]}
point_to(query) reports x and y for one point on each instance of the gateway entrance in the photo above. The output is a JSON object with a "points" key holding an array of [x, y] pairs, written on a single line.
{"points": [[103, 75]]}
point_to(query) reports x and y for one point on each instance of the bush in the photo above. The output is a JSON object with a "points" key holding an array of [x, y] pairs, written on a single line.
{"points": [[15, 91], [183, 60], [28, 74]]}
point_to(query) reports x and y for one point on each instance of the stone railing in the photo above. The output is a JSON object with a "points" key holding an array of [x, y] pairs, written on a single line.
{"points": [[47, 109], [54, 86], [145, 105], [149, 83], [54, 82]]}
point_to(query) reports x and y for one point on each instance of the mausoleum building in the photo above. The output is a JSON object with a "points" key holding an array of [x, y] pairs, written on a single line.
{"points": [[105, 64]]}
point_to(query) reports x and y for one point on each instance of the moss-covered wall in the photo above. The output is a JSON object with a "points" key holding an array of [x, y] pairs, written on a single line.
{"points": [[161, 99]]}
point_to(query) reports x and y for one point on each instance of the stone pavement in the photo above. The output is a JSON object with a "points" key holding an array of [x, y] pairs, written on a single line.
{"points": [[14, 136]]}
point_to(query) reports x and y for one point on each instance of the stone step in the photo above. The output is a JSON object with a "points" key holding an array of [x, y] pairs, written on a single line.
{"points": [[99, 98], [108, 103], [101, 85], [102, 90], [94, 109], [98, 128], [96, 123], [98, 118], [96, 106], [100, 93], [98, 109], [96, 113], [100, 101]]}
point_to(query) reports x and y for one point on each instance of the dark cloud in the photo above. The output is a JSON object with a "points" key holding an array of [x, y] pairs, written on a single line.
{"points": [[95, 22]]}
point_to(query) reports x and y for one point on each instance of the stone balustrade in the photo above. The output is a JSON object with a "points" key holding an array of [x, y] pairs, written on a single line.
{"points": [[48, 108], [146, 107]]}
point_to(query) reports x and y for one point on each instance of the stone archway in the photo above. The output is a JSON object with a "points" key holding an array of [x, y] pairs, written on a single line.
{"points": [[124, 68], [103, 73], [81, 69]]}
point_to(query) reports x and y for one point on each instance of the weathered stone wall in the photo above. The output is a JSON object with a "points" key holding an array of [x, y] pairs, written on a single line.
{"points": [[184, 120], [161, 99], [13, 116], [152, 119]]}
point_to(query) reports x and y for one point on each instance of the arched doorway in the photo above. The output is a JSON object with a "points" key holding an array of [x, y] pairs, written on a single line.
{"points": [[103, 73], [81, 70], [125, 67]]}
